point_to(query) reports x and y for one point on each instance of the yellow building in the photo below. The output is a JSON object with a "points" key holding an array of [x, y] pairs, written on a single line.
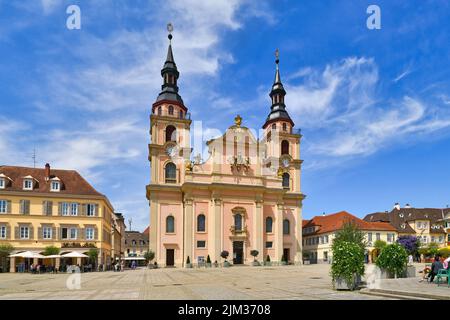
{"points": [[44, 207], [319, 232]]}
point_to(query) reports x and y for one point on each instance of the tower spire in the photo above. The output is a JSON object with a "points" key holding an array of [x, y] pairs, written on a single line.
{"points": [[278, 109], [170, 74]]}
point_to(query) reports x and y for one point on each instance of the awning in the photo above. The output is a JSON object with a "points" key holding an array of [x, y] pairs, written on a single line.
{"points": [[28, 255], [74, 254]]}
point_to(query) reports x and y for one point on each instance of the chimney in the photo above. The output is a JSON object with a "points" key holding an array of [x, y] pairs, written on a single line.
{"points": [[323, 214], [408, 206], [47, 172], [397, 206]]}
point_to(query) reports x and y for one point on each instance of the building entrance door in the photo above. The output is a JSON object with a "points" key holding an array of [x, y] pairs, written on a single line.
{"points": [[170, 257], [286, 255], [238, 252]]}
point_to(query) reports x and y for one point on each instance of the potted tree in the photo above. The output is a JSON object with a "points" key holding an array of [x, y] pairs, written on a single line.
{"points": [[5, 251], [268, 263], [411, 245], [347, 265], [254, 254], [188, 262], [93, 257], [224, 254], [392, 261], [208, 262], [284, 260], [149, 256]]}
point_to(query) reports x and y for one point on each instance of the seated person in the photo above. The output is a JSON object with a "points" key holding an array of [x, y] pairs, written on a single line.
{"points": [[435, 267]]}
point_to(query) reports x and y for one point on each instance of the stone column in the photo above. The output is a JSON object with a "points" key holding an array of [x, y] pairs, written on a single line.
{"points": [[279, 232], [298, 236], [57, 263], [258, 229], [154, 227], [188, 230], [12, 265], [215, 231]]}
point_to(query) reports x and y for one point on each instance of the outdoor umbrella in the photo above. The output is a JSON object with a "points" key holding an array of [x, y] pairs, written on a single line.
{"points": [[28, 255], [74, 254]]}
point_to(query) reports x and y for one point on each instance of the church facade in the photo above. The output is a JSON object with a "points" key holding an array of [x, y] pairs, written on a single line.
{"points": [[245, 196]]}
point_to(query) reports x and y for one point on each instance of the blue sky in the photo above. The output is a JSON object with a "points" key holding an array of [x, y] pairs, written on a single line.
{"points": [[373, 105]]}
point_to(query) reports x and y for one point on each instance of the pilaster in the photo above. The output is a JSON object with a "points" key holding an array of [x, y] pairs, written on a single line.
{"points": [[188, 230], [279, 232], [258, 229]]}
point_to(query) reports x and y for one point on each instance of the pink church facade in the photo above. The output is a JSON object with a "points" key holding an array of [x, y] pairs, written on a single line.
{"points": [[244, 196]]}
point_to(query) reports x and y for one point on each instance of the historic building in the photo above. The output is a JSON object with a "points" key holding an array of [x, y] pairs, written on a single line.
{"points": [[245, 196], [428, 224], [42, 207], [135, 244], [319, 232]]}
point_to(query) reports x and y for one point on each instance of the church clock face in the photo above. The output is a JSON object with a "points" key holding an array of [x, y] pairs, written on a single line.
{"points": [[170, 150], [285, 162]]}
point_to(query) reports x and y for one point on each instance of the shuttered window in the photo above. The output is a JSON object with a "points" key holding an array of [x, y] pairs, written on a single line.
{"points": [[3, 206], [25, 207], [47, 233], [3, 232], [24, 233], [47, 208]]}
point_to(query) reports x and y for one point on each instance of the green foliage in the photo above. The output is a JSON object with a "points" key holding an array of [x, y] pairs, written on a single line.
{"points": [[188, 260], [5, 250], [51, 250], [379, 244], [430, 250], [444, 252], [93, 255], [268, 258], [348, 261], [208, 259], [393, 258], [254, 254], [350, 232], [150, 255]]}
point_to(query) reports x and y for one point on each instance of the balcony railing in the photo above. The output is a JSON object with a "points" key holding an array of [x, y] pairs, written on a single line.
{"points": [[174, 114], [238, 232]]}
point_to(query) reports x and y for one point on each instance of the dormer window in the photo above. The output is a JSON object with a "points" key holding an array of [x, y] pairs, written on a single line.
{"points": [[2, 183], [55, 186], [28, 184], [401, 215]]}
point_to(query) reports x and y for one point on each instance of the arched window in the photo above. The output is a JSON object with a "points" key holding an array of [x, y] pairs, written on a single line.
{"points": [[286, 226], [181, 114], [284, 147], [201, 223], [274, 126], [286, 178], [159, 111], [171, 173], [171, 110], [269, 136], [238, 222], [171, 133], [170, 224], [269, 223], [284, 126]]}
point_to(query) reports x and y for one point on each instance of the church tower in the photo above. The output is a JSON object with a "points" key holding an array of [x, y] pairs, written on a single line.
{"points": [[169, 149]]}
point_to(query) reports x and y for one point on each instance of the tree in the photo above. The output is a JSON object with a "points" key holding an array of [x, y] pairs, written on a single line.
{"points": [[5, 251], [393, 258], [93, 256], [224, 254], [149, 256], [410, 243], [379, 244], [350, 232], [208, 259], [51, 250], [254, 254], [348, 262], [430, 251]]}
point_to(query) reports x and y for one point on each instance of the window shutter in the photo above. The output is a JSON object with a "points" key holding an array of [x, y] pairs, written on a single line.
{"points": [[82, 234], [49, 208], [22, 207], [54, 233], [31, 230], [96, 210], [27, 207], [44, 208], [59, 208], [8, 206], [95, 233], [16, 233], [40, 235]]}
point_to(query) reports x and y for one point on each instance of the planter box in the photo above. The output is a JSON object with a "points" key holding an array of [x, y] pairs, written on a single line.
{"points": [[255, 263], [411, 272], [189, 265], [268, 263], [226, 264], [208, 265], [341, 284], [306, 262]]}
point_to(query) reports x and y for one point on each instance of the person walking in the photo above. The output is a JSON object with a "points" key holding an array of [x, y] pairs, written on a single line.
{"points": [[435, 267]]}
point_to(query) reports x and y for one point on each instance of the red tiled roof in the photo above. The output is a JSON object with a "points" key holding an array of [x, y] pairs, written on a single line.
{"points": [[335, 221], [304, 222], [71, 181], [147, 230]]}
